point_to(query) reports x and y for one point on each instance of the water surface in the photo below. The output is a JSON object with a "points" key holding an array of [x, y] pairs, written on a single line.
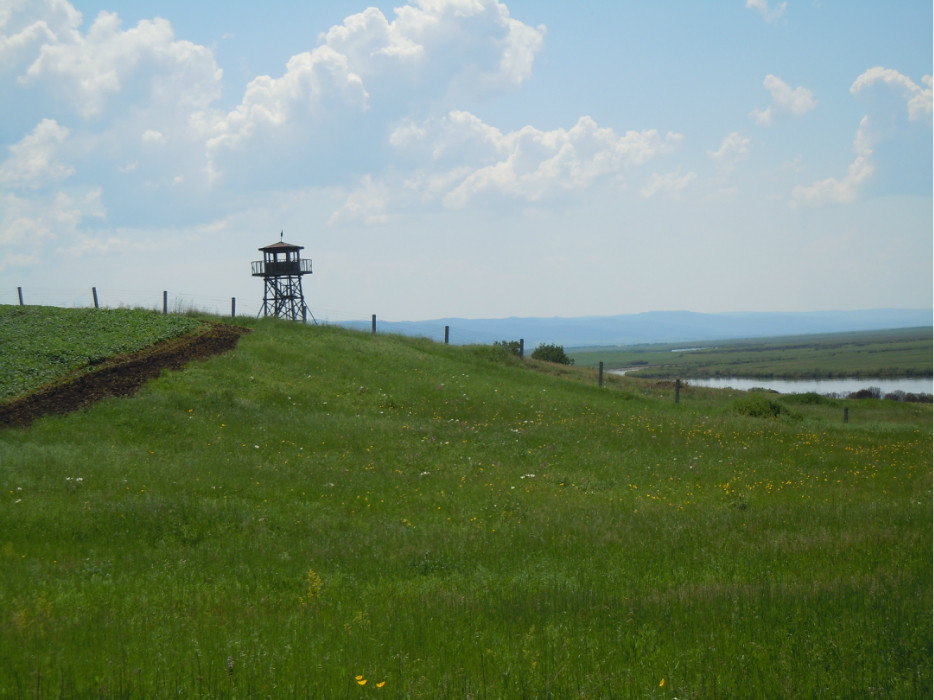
{"points": [[819, 386]]}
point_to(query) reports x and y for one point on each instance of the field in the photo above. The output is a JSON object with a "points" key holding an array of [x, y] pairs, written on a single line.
{"points": [[896, 353], [41, 343], [332, 514]]}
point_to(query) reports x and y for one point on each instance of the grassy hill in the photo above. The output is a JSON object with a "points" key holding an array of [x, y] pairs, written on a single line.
{"points": [[328, 513]]}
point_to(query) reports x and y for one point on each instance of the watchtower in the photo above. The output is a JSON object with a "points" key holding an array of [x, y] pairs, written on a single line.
{"points": [[281, 269]]}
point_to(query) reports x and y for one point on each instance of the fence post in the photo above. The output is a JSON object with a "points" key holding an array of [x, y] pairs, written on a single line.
{"points": [[19, 290], [165, 302], [677, 390], [94, 292], [521, 348], [600, 380], [233, 307], [447, 334], [374, 324]]}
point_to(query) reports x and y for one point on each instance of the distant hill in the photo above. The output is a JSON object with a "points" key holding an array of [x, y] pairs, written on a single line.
{"points": [[652, 326]]}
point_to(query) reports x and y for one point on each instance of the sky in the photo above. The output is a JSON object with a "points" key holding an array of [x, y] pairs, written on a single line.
{"points": [[469, 158]]}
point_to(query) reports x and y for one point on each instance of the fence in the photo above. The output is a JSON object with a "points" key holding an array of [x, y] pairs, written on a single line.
{"points": [[184, 303], [176, 304], [156, 301]]}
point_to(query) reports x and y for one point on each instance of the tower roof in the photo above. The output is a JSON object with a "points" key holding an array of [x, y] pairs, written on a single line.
{"points": [[282, 245]]}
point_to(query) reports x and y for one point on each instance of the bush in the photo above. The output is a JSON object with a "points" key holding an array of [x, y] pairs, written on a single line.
{"points": [[908, 397], [872, 392], [551, 353], [510, 346], [811, 398], [759, 406]]}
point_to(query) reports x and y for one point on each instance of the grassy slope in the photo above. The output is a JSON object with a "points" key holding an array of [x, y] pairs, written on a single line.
{"points": [[899, 353], [321, 504]]}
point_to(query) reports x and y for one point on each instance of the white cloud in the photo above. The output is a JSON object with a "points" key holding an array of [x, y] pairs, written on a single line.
{"points": [[367, 39], [436, 49], [17, 260], [798, 101], [769, 14], [313, 81], [460, 158], [919, 99], [367, 203], [27, 225], [474, 42], [144, 88], [98, 246], [151, 136], [33, 161], [19, 226], [458, 138], [88, 68], [25, 25], [846, 190], [732, 150], [669, 183], [125, 98], [472, 158]]}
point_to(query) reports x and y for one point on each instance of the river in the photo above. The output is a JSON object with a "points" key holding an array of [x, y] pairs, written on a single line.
{"points": [[910, 385]]}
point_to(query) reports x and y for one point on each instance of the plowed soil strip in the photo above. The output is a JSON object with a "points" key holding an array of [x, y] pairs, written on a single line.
{"points": [[120, 376]]}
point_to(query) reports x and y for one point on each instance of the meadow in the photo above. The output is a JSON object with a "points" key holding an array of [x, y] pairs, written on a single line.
{"points": [[895, 353], [325, 513]]}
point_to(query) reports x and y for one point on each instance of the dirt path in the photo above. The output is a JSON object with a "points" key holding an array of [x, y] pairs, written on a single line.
{"points": [[119, 376]]}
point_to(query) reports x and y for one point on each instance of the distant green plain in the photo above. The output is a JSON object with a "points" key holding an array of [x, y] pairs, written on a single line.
{"points": [[324, 513], [895, 353]]}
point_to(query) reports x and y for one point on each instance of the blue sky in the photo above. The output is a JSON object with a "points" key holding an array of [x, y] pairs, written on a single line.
{"points": [[470, 158]]}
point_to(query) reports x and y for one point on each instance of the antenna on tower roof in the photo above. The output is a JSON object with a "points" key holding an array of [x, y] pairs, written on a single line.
{"points": [[281, 234]]}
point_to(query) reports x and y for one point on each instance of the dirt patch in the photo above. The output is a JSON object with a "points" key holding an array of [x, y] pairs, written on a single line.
{"points": [[119, 376]]}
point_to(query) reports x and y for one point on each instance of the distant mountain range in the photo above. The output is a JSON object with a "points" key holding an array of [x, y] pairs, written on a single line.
{"points": [[652, 326]]}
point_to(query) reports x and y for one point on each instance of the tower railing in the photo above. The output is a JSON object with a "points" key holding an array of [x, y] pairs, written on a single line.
{"points": [[263, 268]]}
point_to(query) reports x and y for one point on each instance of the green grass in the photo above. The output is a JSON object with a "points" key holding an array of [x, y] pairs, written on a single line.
{"points": [[43, 343], [896, 353], [322, 504]]}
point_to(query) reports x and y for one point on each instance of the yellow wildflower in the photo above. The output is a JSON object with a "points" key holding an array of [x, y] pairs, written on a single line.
{"points": [[315, 584]]}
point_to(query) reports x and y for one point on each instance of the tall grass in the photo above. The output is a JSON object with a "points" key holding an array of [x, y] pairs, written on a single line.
{"points": [[321, 508]]}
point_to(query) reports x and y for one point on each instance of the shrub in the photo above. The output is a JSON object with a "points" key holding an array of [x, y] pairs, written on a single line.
{"points": [[510, 346], [551, 353], [759, 406], [811, 398], [872, 392]]}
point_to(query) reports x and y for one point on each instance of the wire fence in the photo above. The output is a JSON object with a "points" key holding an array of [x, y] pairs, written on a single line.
{"points": [[175, 302], [164, 300]]}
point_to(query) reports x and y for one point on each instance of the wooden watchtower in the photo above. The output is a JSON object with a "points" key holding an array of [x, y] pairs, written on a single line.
{"points": [[282, 269]]}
